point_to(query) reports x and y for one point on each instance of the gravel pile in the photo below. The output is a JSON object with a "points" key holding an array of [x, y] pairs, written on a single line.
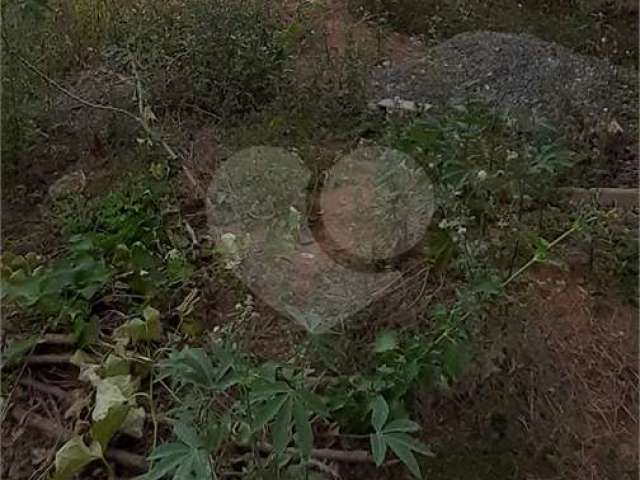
{"points": [[528, 77]]}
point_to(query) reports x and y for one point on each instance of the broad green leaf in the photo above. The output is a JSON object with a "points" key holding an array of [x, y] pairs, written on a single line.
{"points": [[88, 367], [304, 433], [73, 456], [404, 453], [385, 342], [153, 325], [268, 410], [133, 425], [281, 430], [454, 360], [264, 390], [103, 430], [115, 365], [108, 395], [378, 448], [401, 425], [409, 442], [379, 412], [314, 403]]}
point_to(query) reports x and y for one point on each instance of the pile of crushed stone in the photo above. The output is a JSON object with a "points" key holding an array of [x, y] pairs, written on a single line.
{"points": [[534, 81], [519, 73]]}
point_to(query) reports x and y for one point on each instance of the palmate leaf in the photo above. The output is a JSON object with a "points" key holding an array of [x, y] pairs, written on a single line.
{"points": [[378, 448], [304, 433], [281, 430], [379, 412], [289, 410], [267, 411], [394, 435], [402, 425], [192, 365], [404, 453], [185, 459], [403, 446]]}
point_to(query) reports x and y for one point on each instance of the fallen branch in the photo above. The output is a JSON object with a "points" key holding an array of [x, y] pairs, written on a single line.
{"points": [[48, 359], [58, 339], [127, 459], [52, 390], [33, 420], [345, 456]]}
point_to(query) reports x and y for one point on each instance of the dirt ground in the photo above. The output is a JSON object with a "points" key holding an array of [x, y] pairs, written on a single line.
{"points": [[552, 393]]}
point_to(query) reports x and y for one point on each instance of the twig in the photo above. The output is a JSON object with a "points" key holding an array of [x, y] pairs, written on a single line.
{"points": [[49, 358], [346, 456], [33, 420], [7, 402], [323, 467], [52, 390], [87, 103], [58, 339]]}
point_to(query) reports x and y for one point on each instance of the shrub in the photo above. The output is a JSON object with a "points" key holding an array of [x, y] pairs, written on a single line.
{"points": [[219, 56]]}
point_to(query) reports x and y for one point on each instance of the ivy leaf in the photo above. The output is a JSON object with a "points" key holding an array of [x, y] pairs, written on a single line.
{"points": [[108, 395], [133, 424], [103, 430], [152, 322], [73, 456], [114, 365], [111, 408], [378, 448], [379, 412], [139, 330], [304, 434], [385, 342]]}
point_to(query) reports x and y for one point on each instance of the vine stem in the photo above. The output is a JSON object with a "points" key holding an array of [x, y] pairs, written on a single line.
{"points": [[534, 259]]}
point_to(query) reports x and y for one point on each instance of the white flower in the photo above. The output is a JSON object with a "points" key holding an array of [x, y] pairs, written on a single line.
{"points": [[482, 175]]}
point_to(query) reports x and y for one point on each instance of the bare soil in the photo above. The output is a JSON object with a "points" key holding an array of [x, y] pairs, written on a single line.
{"points": [[552, 392]]}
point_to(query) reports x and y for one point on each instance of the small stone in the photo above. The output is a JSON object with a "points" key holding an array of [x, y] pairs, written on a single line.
{"points": [[69, 184]]}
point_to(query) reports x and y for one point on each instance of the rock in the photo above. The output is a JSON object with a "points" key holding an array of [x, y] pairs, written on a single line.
{"points": [[397, 104], [534, 79], [71, 183]]}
